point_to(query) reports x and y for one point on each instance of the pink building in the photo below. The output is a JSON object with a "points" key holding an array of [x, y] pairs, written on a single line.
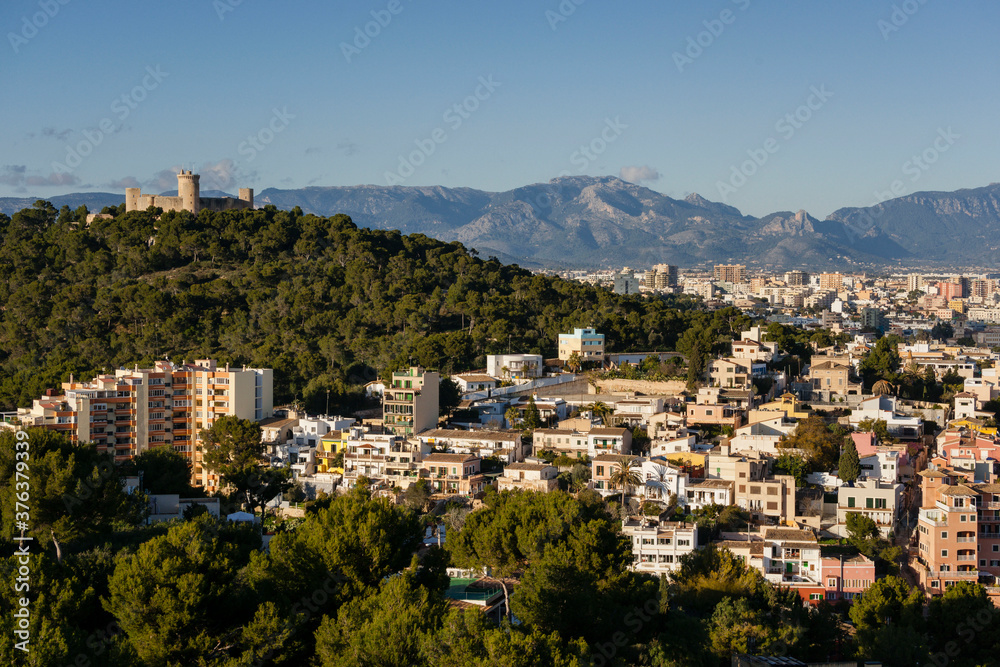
{"points": [[964, 448], [846, 578], [950, 290], [865, 443]]}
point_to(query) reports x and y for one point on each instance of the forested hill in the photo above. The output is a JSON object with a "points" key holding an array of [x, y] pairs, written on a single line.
{"points": [[324, 303]]}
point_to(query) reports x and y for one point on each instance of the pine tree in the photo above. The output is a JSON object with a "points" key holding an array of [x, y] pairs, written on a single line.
{"points": [[532, 417], [850, 463]]}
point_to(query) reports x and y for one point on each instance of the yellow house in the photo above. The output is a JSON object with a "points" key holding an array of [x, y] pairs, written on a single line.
{"points": [[787, 403], [329, 445], [973, 425], [692, 459]]}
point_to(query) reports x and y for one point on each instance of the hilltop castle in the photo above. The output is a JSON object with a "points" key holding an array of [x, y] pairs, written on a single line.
{"points": [[188, 198]]}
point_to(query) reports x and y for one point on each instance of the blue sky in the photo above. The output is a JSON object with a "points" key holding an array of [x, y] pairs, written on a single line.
{"points": [[764, 105]]}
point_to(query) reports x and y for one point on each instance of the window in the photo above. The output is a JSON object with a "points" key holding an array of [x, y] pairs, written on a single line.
{"points": [[850, 501], [962, 518], [944, 534], [944, 553]]}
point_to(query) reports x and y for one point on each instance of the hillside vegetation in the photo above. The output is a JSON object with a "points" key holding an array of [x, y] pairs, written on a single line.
{"points": [[325, 304]]}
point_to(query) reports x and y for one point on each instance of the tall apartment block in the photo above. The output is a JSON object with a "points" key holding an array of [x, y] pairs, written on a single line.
{"points": [[135, 410], [730, 273], [958, 530], [661, 276], [834, 281], [796, 278], [951, 290], [587, 342], [410, 403]]}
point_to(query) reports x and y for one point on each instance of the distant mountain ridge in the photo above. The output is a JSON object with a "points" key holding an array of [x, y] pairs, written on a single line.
{"points": [[603, 221]]}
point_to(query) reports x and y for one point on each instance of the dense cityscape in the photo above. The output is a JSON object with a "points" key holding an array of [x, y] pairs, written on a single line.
{"points": [[795, 456], [560, 334]]}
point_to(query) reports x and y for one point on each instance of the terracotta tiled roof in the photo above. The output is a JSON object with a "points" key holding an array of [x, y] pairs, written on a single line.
{"points": [[448, 458], [455, 434], [608, 431]]}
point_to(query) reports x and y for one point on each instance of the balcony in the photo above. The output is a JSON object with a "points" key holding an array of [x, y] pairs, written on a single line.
{"points": [[933, 519], [972, 557], [962, 574], [380, 458], [965, 539]]}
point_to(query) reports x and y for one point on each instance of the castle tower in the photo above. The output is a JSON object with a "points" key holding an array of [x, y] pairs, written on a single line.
{"points": [[189, 190], [132, 198], [246, 194]]}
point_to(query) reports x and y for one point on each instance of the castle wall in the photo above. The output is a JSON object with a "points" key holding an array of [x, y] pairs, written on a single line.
{"points": [[223, 203], [166, 203], [187, 199]]}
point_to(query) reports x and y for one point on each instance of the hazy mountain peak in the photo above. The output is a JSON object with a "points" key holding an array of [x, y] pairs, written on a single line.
{"points": [[605, 221]]}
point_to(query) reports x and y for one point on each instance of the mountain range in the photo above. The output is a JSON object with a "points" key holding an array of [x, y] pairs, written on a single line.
{"points": [[585, 222]]}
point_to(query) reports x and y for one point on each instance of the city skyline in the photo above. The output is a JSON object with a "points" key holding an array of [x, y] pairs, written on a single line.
{"points": [[739, 102]]}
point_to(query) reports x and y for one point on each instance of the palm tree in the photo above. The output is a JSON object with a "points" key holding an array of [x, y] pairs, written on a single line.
{"points": [[882, 387], [575, 362], [624, 476], [513, 416], [600, 410], [662, 473]]}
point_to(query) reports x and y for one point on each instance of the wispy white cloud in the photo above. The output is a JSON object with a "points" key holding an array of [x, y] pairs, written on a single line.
{"points": [[17, 175], [639, 173]]}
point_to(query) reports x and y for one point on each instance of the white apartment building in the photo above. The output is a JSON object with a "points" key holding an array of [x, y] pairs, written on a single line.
{"points": [[514, 366], [702, 493], [657, 547], [878, 501]]}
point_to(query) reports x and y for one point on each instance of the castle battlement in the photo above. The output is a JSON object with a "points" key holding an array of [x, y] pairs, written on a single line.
{"points": [[188, 197]]}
